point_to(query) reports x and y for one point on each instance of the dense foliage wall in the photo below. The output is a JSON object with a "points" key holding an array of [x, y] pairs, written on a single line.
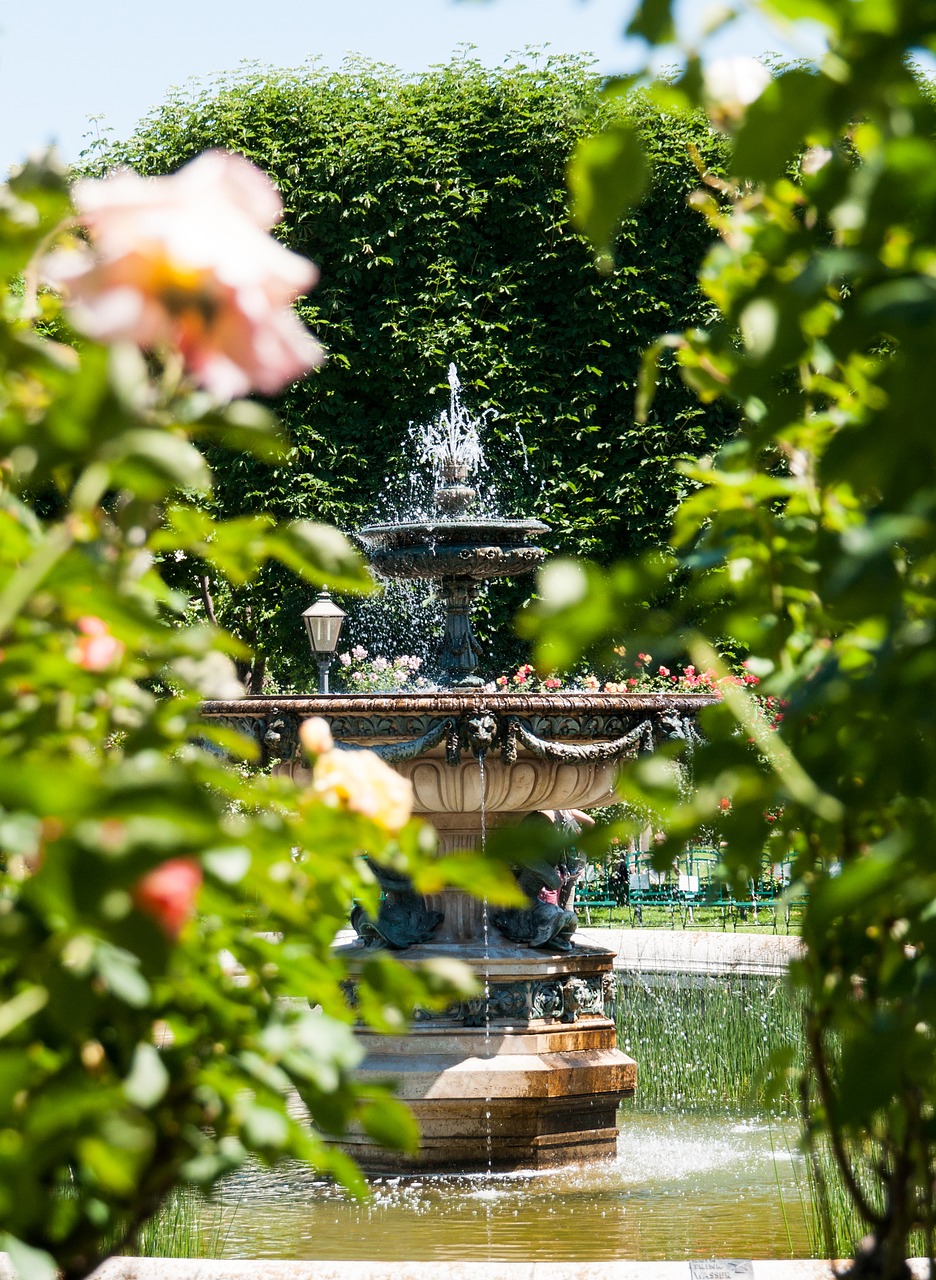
{"points": [[436, 208]]}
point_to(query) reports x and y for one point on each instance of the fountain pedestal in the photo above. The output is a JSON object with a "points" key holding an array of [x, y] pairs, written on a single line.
{"points": [[526, 1076]]}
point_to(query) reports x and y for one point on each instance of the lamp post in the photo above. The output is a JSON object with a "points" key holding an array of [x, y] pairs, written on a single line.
{"points": [[323, 624]]}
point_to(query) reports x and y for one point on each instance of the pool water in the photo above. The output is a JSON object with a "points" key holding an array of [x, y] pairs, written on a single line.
{"points": [[681, 1186]]}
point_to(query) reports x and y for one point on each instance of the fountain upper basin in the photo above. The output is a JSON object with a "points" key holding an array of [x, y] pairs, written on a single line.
{"points": [[477, 549]]}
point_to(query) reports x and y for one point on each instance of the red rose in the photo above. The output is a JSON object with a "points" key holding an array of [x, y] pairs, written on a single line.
{"points": [[167, 893]]}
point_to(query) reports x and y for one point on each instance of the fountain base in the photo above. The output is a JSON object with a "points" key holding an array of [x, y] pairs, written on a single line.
{"points": [[525, 1076]]}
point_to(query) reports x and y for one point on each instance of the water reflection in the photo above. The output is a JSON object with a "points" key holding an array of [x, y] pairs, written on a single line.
{"points": [[680, 1187]]}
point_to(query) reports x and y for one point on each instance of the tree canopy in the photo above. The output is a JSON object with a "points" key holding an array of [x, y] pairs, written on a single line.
{"points": [[436, 209]]}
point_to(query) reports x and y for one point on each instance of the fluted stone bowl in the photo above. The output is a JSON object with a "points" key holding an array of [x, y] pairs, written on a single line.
{"points": [[540, 751]]}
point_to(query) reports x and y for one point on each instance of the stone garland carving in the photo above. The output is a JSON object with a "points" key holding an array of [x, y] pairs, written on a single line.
{"points": [[247, 726], [397, 752], [630, 743]]}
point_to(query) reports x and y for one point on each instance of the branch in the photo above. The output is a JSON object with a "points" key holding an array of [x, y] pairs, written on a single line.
{"points": [[204, 583]]}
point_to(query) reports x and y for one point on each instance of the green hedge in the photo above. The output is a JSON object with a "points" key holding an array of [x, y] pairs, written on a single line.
{"points": [[436, 208]]}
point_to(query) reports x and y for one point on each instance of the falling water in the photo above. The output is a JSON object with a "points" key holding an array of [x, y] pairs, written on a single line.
{"points": [[485, 927]]}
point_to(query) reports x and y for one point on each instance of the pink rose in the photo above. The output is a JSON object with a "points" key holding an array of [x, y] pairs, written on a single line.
{"points": [[186, 262], [663, 671], [167, 894], [96, 649]]}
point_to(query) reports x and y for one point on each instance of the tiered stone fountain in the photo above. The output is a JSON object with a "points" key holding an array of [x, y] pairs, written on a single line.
{"points": [[528, 1074]]}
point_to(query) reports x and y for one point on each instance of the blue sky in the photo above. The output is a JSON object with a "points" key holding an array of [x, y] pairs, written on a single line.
{"points": [[62, 62]]}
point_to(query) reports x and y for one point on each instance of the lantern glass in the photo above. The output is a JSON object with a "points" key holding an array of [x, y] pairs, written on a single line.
{"points": [[323, 622]]}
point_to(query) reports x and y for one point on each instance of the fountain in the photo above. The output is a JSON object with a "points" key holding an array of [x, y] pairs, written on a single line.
{"points": [[528, 1074]]}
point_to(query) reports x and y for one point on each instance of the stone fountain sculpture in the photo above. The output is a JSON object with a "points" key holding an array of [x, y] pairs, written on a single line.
{"points": [[527, 1074]]}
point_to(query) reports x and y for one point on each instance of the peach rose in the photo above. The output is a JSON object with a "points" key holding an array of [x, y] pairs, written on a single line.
{"points": [[360, 781], [186, 262], [167, 893], [316, 736], [96, 649]]}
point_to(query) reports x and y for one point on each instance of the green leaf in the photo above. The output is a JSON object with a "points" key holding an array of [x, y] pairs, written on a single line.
{"points": [[148, 1079], [791, 108], [322, 555], [120, 971], [480, 876], [654, 21], [22, 1007], [607, 175], [648, 376], [265, 1128], [28, 1263], [391, 1124], [245, 426], [227, 865], [151, 461]]}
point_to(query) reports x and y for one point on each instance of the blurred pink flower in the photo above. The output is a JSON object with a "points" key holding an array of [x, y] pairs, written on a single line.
{"points": [[186, 261], [167, 893], [96, 649]]}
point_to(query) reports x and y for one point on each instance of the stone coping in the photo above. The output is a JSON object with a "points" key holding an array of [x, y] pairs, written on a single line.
{"points": [[688, 951], [622, 1269], [442, 702], [663, 950]]}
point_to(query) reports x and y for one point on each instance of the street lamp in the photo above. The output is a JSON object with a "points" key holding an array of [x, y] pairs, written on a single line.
{"points": [[323, 623]]}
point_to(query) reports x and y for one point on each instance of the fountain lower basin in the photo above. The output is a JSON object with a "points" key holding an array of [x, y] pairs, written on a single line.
{"points": [[527, 1075]]}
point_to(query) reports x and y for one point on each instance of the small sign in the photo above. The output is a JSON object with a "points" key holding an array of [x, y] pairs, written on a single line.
{"points": [[720, 1269]]}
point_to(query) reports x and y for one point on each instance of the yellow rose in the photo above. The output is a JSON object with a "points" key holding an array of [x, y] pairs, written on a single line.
{"points": [[316, 736], [360, 781]]}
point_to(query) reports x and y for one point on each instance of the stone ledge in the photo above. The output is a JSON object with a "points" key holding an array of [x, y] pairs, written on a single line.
{"points": [[622, 1269], [688, 951]]}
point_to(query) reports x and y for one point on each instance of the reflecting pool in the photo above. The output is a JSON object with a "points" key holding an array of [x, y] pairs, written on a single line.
{"points": [[682, 1186]]}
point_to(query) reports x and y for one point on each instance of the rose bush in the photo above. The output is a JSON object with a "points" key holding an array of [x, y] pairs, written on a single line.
{"points": [[810, 541], [155, 902]]}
